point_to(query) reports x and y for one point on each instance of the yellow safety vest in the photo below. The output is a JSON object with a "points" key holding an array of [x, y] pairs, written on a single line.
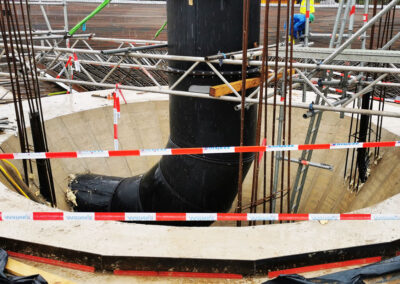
{"points": [[303, 7]]}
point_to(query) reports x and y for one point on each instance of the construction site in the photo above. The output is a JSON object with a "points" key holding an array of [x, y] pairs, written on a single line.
{"points": [[199, 141]]}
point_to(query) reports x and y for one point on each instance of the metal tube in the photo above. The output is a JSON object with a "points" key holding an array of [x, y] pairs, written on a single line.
{"points": [[223, 79], [351, 21], [58, 55], [336, 23], [296, 204], [90, 48], [127, 40], [184, 75], [365, 90], [45, 17], [65, 15], [132, 49], [343, 23], [325, 35], [307, 28], [245, 43], [112, 70], [46, 3], [230, 61], [224, 98], [364, 37], [40, 32], [392, 41], [250, 53], [309, 114], [88, 74], [146, 72], [311, 164], [278, 157], [313, 87], [88, 17], [108, 64], [360, 31], [78, 36]]}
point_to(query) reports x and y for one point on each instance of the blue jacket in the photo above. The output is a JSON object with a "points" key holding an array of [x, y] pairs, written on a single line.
{"points": [[299, 24]]}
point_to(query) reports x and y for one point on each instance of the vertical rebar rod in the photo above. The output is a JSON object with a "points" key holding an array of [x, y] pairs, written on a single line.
{"points": [[277, 35], [266, 21], [8, 47], [256, 168], [288, 17], [246, 8], [290, 108]]}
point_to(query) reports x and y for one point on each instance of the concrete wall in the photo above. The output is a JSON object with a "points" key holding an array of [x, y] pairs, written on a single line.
{"points": [[146, 125]]}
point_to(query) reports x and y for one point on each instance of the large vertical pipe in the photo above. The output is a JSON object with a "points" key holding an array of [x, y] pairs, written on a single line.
{"points": [[192, 183], [207, 182]]}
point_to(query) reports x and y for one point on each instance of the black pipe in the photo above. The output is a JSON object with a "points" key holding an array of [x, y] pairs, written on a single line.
{"points": [[43, 166], [190, 183], [362, 154]]}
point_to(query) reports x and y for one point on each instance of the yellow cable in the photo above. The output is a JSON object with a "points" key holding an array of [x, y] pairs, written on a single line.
{"points": [[13, 182], [14, 167]]}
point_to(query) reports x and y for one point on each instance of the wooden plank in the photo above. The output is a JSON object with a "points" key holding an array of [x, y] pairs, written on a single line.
{"points": [[17, 268], [222, 90]]}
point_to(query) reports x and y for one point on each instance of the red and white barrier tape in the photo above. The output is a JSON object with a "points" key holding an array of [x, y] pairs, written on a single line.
{"points": [[117, 113], [389, 100], [118, 89], [76, 63], [340, 91], [65, 67], [116, 117], [193, 151], [342, 75], [264, 143], [120, 216]]}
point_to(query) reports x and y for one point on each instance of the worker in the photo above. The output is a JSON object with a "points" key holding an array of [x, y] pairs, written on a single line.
{"points": [[299, 24], [303, 6], [299, 20]]}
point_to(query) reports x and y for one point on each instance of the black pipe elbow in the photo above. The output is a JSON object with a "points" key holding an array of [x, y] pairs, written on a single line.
{"points": [[194, 183]]}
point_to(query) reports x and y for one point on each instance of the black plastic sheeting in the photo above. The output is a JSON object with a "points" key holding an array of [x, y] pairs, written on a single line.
{"points": [[33, 279], [353, 276]]}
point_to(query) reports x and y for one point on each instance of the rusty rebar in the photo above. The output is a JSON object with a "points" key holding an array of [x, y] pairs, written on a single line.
{"points": [[290, 105], [256, 168], [278, 18], [284, 103], [246, 8], [266, 37]]}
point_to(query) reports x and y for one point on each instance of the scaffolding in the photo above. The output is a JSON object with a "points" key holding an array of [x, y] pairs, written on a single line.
{"points": [[335, 78]]}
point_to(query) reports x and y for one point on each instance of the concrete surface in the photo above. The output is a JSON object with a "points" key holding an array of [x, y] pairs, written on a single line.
{"points": [[251, 243], [144, 125], [82, 122]]}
